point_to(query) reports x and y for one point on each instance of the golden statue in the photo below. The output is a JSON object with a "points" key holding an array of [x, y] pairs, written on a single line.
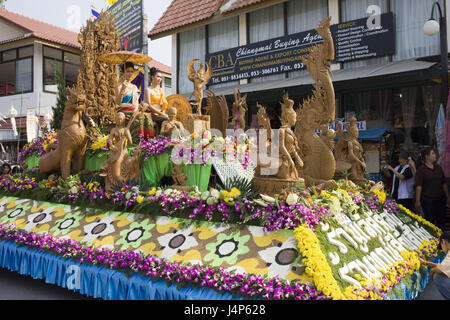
{"points": [[350, 153], [317, 112], [72, 139], [120, 168], [240, 109], [171, 125], [200, 78], [217, 109], [288, 143], [97, 79], [281, 170]]}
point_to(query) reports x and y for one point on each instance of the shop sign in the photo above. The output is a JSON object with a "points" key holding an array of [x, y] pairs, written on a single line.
{"points": [[362, 125], [358, 39], [129, 18], [353, 40]]}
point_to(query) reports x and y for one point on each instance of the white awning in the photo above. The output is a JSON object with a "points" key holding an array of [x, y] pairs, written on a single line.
{"points": [[8, 135]]}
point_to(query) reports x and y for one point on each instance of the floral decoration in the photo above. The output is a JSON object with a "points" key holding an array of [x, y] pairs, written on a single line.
{"points": [[38, 147], [247, 285]]}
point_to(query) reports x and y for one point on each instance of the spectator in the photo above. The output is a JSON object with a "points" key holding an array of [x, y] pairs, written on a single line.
{"points": [[6, 169], [431, 189], [440, 273], [16, 169], [403, 180]]}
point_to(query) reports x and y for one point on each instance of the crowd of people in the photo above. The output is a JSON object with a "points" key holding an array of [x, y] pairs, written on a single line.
{"points": [[7, 169], [420, 185]]}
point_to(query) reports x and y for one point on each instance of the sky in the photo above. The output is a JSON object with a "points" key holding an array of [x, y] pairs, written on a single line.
{"points": [[71, 14]]}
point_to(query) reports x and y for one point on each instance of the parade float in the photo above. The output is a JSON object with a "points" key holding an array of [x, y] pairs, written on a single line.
{"points": [[191, 214]]}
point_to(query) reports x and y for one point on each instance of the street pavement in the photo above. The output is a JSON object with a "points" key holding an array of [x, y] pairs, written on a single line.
{"points": [[14, 286]]}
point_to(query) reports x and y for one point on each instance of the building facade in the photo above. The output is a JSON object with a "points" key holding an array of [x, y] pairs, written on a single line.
{"points": [[399, 91], [30, 52]]}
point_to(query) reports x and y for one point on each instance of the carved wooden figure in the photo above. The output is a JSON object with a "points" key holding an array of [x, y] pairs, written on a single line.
{"points": [[72, 139], [120, 168], [317, 112], [240, 109], [169, 127], [200, 78], [350, 153]]}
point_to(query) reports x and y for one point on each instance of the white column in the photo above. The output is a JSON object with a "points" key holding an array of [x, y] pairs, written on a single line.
{"points": [[243, 36], [174, 63], [447, 14], [333, 11], [38, 74]]}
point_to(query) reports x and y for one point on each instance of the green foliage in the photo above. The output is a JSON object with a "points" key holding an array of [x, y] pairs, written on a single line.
{"points": [[58, 110], [242, 184], [2, 4]]}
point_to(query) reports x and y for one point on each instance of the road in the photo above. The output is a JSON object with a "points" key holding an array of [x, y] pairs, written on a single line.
{"points": [[14, 286]]}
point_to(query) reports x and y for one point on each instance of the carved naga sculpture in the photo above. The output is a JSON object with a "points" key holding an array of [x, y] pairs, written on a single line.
{"points": [[317, 112], [72, 139]]}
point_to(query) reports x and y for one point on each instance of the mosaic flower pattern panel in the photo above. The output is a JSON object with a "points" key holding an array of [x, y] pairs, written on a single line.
{"points": [[242, 249]]}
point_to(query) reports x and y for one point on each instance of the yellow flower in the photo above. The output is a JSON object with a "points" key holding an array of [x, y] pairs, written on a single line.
{"points": [[139, 199]]}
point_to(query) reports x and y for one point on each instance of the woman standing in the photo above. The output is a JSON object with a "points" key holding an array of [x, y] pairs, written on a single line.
{"points": [[431, 189], [154, 96]]}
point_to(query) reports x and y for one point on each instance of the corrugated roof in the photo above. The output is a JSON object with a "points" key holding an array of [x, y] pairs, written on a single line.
{"points": [[40, 30], [184, 12]]}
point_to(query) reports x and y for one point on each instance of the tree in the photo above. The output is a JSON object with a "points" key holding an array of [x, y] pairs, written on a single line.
{"points": [[58, 110], [2, 4]]}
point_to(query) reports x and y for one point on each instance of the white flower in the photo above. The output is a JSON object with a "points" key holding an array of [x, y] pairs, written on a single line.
{"points": [[260, 202], [99, 228], [267, 198], [215, 193], [205, 195], [158, 193], [174, 243], [211, 200], [128, 195], [292, 199], [205, 142], [74, 190], [281, 259]]}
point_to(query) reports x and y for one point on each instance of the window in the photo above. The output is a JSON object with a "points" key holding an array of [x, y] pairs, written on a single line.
{"points": [[411, 41], [192, 46], [68, 64], [304, 15], [16, 71], [265, 24], [168, 82], [221, 36], [357, 9]]}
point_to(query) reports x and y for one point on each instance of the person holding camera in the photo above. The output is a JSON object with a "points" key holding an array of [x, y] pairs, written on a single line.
{"points": [[403, 180]]}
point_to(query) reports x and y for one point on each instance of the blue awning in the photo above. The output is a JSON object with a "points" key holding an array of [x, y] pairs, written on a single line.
{"points": [[372, 134]]}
